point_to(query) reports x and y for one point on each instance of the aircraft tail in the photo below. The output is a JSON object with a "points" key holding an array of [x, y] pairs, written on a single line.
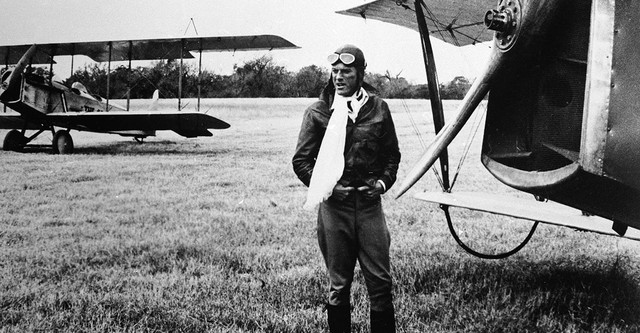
{"points": [[154, 101]]}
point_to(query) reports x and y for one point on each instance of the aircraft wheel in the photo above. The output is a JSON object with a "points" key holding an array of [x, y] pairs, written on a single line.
{"points": [[14, 141], [62, 143]]}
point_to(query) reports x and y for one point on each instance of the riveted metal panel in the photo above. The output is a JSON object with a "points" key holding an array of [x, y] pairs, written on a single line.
{"points": [[622, 152]]}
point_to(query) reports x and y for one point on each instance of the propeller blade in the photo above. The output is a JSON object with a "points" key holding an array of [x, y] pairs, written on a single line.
{"points": [[12, 82], [519, 30]]}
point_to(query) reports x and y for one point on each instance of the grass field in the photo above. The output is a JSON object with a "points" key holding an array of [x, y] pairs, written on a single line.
{"points": [[208, 235]]}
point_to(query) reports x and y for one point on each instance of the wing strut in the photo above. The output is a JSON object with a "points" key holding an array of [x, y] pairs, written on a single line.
{"points": [[73, 51], [109, 75], [180, 77], [53, 54], [434, 89], [6, 67], [129, 55], [199, 70]]}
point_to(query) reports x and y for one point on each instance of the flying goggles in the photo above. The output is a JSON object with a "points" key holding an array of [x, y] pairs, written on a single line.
{"points": [[345, 58]]}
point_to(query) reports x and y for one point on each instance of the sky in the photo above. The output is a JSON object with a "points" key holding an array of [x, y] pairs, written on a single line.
{"points": [[312, 25]]}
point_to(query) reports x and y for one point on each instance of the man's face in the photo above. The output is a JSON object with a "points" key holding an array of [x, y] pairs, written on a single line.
{"points": [[345, 79]]}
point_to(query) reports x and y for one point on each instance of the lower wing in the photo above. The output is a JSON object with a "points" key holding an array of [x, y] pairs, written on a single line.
{"points": [[546, 212], [15, 121], [188, 124]]}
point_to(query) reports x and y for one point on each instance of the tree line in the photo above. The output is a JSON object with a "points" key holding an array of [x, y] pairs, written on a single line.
{"points": [[260, 77]]}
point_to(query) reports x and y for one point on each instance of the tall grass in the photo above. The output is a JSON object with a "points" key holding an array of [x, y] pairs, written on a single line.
{"points": [[208, 234]]}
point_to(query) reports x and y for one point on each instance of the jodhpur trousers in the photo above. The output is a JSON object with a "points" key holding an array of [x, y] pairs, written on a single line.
{"points": [[350, 230]]}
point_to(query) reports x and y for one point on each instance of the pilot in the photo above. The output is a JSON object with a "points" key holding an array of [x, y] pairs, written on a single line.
{"points": [[347, 154]]}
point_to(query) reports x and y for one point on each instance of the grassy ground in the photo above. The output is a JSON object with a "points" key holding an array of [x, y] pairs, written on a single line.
{"points": [[208, 234]]}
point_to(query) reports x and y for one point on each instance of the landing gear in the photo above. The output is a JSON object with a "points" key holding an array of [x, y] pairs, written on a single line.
{"points": [[14, 141], [62, 143]]}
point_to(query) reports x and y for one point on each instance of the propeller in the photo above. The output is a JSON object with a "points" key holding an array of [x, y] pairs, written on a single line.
{"points": [[518, 29], [11, 79]]}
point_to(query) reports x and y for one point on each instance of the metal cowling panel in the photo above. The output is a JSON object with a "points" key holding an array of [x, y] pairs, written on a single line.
{"points": [[598, 87], [622, 151]]}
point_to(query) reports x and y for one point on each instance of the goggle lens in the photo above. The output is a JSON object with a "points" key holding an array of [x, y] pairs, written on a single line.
{"points": [[345, 58]]}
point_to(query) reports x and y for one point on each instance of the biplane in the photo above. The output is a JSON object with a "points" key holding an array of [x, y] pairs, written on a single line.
{"points": [[561, 119], [42, 104]]}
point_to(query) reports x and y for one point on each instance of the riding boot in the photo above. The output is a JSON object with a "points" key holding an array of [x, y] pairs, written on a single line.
{"points": [[339, 318], [383, 321]]}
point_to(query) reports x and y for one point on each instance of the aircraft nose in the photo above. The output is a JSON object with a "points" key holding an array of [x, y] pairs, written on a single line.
{"points": [[11, 79]]}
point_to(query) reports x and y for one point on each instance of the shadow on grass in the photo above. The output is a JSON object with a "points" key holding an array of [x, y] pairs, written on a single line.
{"points": [[542, 296], [165, 147]]}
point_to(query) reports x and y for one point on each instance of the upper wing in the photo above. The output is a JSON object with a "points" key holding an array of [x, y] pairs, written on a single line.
{"points": [[458, 22], [188, 124], [145, 49]]}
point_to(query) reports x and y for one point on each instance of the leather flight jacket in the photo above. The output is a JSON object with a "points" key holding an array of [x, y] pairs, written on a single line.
{"points": [[371, 146]]}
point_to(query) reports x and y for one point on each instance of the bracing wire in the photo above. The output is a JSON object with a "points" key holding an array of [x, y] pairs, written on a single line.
{"points": [[164, 56], [432, 17], [414, 125], [191, 22], [467, 146]]}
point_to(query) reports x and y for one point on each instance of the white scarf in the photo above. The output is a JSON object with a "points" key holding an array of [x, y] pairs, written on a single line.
{"points": [[330, 162]]}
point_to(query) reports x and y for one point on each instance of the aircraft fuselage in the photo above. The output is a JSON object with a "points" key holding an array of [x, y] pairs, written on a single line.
{"points": [[44, 98]]}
